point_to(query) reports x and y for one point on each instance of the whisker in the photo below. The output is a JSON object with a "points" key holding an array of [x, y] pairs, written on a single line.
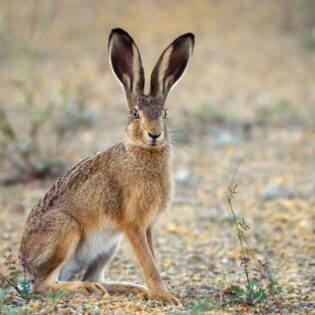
{"points": [[184, 155], [189, 138], [176, 130], [175, 123], [186, 148], [184, 151]]}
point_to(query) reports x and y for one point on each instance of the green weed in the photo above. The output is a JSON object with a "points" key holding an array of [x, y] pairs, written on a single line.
{"points": [[200, 307], [282, 112], [55, 297], [308, 42], [22, 310], [15, 278], [28, 154], [2, 298], [263, 283], [207, 113]]}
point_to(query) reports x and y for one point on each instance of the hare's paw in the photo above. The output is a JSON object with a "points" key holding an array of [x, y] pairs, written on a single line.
{"points": [[86, 288], [140, 290], [125, 288], [92, 288], [165, 297]]}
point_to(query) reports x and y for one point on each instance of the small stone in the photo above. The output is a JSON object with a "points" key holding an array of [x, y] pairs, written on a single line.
{"points": [[224, 260], [278, 192], [186, 178], [225, 138], [173, 228], [5, 236], [195, 259]]}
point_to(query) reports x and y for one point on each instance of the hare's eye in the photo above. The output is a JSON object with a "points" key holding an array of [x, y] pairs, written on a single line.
{"points": [[135, 114], [165, 113]]}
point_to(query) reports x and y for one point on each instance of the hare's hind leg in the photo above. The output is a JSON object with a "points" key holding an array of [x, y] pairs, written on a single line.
{"points": [[95, 273], [58, 248]]}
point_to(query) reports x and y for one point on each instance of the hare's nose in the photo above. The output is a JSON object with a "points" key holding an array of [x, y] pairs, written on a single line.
{"points": [[154, 136]]}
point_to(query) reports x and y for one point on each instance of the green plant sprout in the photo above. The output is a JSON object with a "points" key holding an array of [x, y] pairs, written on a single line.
{"points": [[264, 283], [28, 155], [16, 279]]}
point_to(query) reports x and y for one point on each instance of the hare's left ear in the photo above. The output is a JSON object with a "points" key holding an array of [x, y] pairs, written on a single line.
{"points": [[125, 60], [171, 65]]}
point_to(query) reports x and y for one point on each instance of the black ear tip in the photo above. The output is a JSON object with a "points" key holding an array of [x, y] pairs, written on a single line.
{"points": [[118, 31], [191, 36], [183, 38]]}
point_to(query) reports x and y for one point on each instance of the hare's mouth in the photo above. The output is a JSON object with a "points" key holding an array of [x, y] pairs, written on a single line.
{"points": [[155, 139], [156, 143]]}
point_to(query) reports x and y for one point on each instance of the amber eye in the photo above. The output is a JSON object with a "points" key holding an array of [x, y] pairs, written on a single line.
{"points": [[135, 114]]}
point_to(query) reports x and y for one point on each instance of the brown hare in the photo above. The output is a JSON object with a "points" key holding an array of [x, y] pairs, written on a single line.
{"points": [[79, 223]]}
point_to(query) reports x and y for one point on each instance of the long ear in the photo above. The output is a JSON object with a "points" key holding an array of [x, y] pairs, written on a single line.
{"points": [[125, 61], [171, 65]]}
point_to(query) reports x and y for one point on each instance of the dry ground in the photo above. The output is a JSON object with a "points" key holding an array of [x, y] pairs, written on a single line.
{"points": [[250, 57]]}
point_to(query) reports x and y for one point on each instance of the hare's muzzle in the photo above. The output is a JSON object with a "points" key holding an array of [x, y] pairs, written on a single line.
{"points": [[155, 138]]}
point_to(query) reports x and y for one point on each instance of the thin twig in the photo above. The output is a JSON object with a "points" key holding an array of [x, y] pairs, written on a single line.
{"points": [[230, 195], [12, 285]]}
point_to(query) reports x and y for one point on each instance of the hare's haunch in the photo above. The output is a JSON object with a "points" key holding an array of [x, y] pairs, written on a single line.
{"points": [[79, 223]]}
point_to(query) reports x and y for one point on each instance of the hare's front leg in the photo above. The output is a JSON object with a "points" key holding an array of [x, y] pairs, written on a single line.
{"points": [[150, 240], [138, 239]]}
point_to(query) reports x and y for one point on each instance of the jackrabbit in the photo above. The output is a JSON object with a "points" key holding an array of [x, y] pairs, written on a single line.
{"points": [[79, 223]]}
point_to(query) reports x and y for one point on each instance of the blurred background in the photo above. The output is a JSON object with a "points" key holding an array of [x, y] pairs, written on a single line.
{"points": [[253, 67], [246, 102]]}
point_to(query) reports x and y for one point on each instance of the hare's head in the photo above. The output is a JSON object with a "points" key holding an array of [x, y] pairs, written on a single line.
{"points": [[147, 114]]}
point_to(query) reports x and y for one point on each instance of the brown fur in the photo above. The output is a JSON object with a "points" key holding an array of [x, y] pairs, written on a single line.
{"points": [[122, 189]]}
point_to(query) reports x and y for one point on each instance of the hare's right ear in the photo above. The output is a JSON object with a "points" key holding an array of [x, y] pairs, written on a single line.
{"points": [[125, 61], [171, 65]]}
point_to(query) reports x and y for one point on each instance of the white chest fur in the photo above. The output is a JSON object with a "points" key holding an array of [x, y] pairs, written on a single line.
{"points": [[90, 249]]}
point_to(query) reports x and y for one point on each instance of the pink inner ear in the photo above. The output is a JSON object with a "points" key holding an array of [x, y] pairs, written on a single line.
{"points": [[176, 66], [127, 65], [122, 61]]}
